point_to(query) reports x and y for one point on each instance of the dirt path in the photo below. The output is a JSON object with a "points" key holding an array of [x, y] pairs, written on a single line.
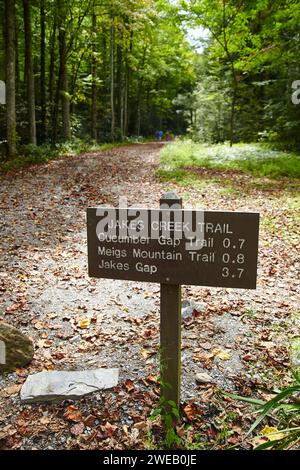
{"points": [[239, 337]]}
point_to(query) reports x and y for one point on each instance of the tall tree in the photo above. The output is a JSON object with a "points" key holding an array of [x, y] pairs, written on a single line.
{"points": [[63, 70], [29, 72], [53, 96], [10, 73], [94, 78], [225, 19], [120, 90], [112, 78], [43, 69]]}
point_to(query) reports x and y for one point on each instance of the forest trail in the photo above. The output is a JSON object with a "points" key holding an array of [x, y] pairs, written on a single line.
{"points": [[238, 337]]}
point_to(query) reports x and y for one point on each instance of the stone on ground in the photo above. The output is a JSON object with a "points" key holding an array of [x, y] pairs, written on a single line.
{"points": [[188, 307], [62, 385], [16, 349], [203, 378]]}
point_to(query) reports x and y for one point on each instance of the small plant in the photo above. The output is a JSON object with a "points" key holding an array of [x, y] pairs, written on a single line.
{"points": [[169, 414], [286, 406]]}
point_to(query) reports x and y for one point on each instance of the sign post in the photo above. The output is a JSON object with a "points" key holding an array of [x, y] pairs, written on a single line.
{"points": [[173, 246], [170, 331]]}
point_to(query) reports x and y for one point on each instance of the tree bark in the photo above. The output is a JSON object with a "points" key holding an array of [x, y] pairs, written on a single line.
{"points": [[120, 89], [10, 72], [65, 102], [62, 88], [18, 80], [43, 71], [29, 73], [126, 87], [53, 103], [233, 103], [94, 81], [112, 81]]}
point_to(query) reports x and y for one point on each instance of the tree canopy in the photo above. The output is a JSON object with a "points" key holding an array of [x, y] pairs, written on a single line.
{"points": [[106, 70]]}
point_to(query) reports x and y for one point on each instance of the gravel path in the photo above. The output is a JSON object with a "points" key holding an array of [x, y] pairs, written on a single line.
{"points": [[45, 291]]}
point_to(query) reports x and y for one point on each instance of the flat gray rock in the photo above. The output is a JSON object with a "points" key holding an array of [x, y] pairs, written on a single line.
{"points": [[48, 386]]}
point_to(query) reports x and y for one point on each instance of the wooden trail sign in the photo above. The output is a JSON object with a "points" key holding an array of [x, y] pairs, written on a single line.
{"points": [[173, 246], [223, 255]]}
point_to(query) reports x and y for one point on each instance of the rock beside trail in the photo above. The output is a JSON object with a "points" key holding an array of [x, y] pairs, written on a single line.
{"points": [[203, 378], [189, 306], [16, 349], [49, 386]]}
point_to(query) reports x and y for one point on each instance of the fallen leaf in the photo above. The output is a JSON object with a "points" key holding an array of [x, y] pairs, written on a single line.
{"points": [[221, 354], [109, 429], [191, 411], [44, 343], [72, 413], [77, 429], [129, 385], [269, 431], [89, 420], [39, 325], [12, 308], [258, 440], [45, 420], [84, 323], [10, 391]]}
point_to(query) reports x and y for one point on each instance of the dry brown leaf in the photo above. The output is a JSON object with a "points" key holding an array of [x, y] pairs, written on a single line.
{"points": [[44, 343], [191, 411], [11, 390], [129, 385], [77, 429], [72, 413], [221, 354], [109, 429]]}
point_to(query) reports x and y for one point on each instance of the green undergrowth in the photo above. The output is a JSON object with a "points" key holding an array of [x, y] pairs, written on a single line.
{"points": [[38, 154], [256, 159]]}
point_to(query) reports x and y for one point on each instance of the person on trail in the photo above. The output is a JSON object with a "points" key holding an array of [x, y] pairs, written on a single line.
{"points": [[160, 135]]}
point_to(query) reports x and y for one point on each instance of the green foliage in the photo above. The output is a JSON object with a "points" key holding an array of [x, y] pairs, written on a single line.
{"points": [[246, 71], [256, 159], [169, 414], [32, 154], [135, 74], [285, 405]]}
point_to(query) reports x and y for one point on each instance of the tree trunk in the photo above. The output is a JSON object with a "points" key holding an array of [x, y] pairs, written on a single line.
{"points": [[29, 73], [233, 104], [126, 87], [65, 102], [10, 72], [18, 80], [94, 81], [53, 103], [139, 95], [112, 81], [43, 71], [120, 90], [125, 105]]}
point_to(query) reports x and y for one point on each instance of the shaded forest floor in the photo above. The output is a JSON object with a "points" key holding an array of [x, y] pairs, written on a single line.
{"points": [[241, 338]]}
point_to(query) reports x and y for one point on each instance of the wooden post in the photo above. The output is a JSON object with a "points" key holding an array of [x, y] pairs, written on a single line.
{"points": [[170, 330]]}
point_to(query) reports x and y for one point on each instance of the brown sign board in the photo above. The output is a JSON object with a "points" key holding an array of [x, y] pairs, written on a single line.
{"points": [[205, 248]]}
